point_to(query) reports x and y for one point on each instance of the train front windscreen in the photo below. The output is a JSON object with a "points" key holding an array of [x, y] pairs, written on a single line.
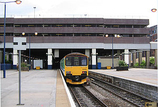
{"points": [[76, 61]]}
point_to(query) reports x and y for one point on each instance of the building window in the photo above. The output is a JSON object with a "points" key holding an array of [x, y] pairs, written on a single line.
{"points": [[1, 34], [115, 26], [24, 25], [122, 26], [1, 25], [99, 25], [46, 25], [9, 25], [31, 25], [77, 25], [17, 25], [108, 26], [128, 26]]}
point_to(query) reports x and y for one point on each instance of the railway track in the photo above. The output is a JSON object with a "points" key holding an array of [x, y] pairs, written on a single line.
{"points": [[84, 98], [133, 99]]}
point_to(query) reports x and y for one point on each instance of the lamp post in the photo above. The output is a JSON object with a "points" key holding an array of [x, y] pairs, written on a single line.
{"points": [[17, 2], [112, 55], [23, 33], [112, 52], [112, 49], [34, 11]]}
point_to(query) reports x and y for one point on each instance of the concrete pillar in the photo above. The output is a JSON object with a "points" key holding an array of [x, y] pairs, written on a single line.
{"points": [[87, 52], [140, 58], [1, 56], [129, 59], [15, 58], [120, 57], [126, 56], [23, 59], [147, 58], [56, 53], [133, 57], [118, 52], [49, 58], [7, 56], [123, 57], [93, 58], [155, 57]]}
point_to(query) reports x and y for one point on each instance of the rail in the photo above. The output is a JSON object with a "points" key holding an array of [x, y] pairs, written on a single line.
{"points": [[124, 94], [83, 97]]}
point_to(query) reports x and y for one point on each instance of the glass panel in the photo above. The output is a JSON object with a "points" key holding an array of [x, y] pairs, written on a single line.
{"points": [[68, 61], [83, 61], [76, 61]]}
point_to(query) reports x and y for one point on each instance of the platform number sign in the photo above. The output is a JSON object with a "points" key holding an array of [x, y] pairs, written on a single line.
{"points": [[19, 43]]}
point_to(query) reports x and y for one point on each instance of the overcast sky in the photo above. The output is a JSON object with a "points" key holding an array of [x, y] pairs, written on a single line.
{"points": [[84, 8]]}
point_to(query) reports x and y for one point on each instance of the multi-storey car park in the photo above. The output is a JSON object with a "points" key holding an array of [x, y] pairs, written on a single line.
{"points": [[98, 38]]}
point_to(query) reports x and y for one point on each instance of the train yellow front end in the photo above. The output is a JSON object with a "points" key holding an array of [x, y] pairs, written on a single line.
{"points": [[76, 74], [74, 67]]}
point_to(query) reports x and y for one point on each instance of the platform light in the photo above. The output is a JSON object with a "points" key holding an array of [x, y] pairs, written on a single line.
{"points": [[36, 33], [18, 1], [154, 10], [118, 36], [23, 33]]}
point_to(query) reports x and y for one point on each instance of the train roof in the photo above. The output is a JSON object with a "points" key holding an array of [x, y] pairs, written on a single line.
{"points": [[75, 53]]}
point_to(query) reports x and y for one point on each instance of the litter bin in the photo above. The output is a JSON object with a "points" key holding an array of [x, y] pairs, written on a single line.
{"points": [[99, 65], [108, 67], [37, 67]]}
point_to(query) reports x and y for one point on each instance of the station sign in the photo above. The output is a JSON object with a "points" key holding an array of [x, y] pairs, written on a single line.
{"points": [[19, 43]]}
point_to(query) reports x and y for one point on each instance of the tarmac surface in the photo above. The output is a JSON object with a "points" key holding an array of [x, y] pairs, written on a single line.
{"points": [[45, 88], [38, 89]]}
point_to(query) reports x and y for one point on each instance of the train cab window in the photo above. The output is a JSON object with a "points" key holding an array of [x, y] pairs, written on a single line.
{"points": [[68, 61], [83, 61], [76, 61]]}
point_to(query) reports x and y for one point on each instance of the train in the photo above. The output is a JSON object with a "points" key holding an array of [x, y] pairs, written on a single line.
{"points": [[74, 67]]}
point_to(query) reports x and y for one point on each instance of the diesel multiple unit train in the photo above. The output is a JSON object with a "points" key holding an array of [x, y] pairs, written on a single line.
{"points": [[74, 67]]}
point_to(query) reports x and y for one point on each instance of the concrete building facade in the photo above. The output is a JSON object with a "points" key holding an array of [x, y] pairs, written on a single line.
{"points": [[92, 36]]}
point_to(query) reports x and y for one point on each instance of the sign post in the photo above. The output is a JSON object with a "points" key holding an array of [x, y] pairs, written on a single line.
{"points": [[19, 43]]}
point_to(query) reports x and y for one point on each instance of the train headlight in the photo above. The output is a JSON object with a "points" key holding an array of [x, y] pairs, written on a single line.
{"points": [[84, 72], [68, 72]]}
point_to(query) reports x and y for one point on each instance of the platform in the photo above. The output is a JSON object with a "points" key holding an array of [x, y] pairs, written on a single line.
{"points": [[40, 88], [137, 80], [146, 76]]}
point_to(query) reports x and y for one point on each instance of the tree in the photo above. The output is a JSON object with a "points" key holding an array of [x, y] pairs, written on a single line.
{"points": [[152, 60], [122, 63]]}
